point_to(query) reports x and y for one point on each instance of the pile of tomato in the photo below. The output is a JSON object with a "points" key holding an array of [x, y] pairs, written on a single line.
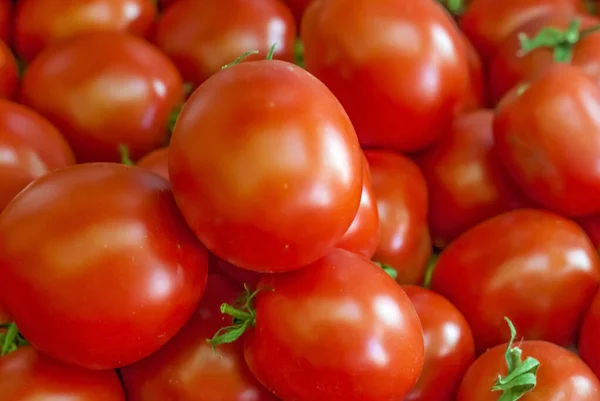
{"points": [[299, 200]]}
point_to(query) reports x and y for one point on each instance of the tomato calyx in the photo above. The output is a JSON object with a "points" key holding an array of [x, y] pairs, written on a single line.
{"points": [[393, 273], [11, 340], [521, 377], [125, 157], [559, 40], [455, 7], [430, 269]]}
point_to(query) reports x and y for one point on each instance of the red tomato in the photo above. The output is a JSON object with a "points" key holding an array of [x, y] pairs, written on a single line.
{"points": [[363, 235], [98, 267], [188, 369], [265, 166], [339, 329], [27, 375], [476, 97], [466, 182], [241, 276], [400, 68], [538, 269], [298, 7], [102, 90], [449, 348], [510, 67], [488, 22], [166, 3], [6, 20], [4, 316], [534, 137], [9, 74], [589, 339], [30, 147], [193, 35], [401, 194], [41, 23], [591, 225], [561, 375], [156, 161]]}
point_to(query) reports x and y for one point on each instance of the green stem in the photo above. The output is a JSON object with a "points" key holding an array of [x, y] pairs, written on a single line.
{"points": [[11, 340], [125, 158], [455, 7], [393, 273], [430, 269], [271, 51], [240, 59], [299, 53]]}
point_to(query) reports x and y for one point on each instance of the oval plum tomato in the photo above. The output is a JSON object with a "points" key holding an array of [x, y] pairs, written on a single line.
{"points": [[187, 368], [589, 338], [156, 161], [6, 20], [41, 23], [30, 147], [537, 148], [449, 348], [98, 267], [27, 375], [9, 73], [340, 329], [401, 195], [511, 66], [537, 268], [102, 90], [467, 183], [265, 166], [193, 35], [399, 83], [241, 276], [363, 235], [541, 371], [488, 22]]}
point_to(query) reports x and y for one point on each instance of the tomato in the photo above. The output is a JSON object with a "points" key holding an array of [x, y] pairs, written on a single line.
{"points": [[591, 225], [30, 147], [193, 35], [488, 22], [538, 269], [241, 276], [538, 149], [510, 67], [589, 346], [363, 235], [102, 90], [401, 195], [6, 20], [28, 375], [98, 267], [298, 7], [41, 23], [476, 97], [9, 74], [156, 161], [265, 166], [4, 316], [449, 348], [399, 83], [339, 329], [188, 369], [466, 182]]}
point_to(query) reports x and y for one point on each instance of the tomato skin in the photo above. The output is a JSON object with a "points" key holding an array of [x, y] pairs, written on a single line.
{"points": [[9, 74], [538, 149], [26, 375], [449, 347], [41, 23], [379, 57], [521, 265], [589, 349], [35, 147], [510, 68], [6, 20], [401, 195], [73, 85], [156, 161], [271, 129], [112, 273], [241, 276], [466, 181], [188, 369], [488, 22], [4, 316], [591, 225], [561, 375], [192, 34], [341, 327]]}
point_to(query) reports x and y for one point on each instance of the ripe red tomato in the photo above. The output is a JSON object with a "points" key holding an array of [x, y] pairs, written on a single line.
{"points": [[156, 161], [193, 35], [6, 20], [188, 368], [265, 166], [27, 375], [488, 22], [102, 90], [401, 195], [589, 338], [538, 269], [591, 225], [538, 149], [4, 316], [399, 82], [510, 67], [363, 235], [30, 147], [339, 329], [466, 181], [476, 97], [449, 348], [98, 267], [41, 23], [9, 74]]}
